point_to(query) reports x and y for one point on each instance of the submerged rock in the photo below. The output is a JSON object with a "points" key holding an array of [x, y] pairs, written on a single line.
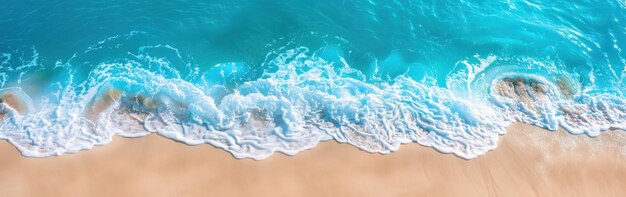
{"points": [[14, 102], [101, 103], [527, 91], [565, 87]]}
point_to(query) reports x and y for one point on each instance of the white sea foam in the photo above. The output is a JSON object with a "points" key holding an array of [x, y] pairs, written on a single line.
{"points": [[303, 101]]}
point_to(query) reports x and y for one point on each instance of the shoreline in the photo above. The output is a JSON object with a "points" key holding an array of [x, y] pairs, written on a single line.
{"points": [[527, 161]]}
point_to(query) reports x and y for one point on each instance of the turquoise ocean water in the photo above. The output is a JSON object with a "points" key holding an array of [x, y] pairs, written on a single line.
{"points": [[255, 77]]}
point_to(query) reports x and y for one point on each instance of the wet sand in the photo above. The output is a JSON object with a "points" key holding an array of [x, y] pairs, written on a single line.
{"points": [[528, 162]]}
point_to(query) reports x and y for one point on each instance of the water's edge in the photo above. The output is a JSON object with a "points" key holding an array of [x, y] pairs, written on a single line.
{"points": [[305, 100]]}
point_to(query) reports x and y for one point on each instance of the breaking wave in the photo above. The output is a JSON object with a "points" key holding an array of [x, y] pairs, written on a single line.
{"points": [[258, 77], [298, 101]]}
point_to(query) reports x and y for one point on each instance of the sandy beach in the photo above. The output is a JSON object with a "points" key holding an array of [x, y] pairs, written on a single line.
{"points": [[375, 98], [528, 162]]}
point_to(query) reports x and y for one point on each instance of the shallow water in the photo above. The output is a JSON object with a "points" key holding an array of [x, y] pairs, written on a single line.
{"points": [[255, 77]]}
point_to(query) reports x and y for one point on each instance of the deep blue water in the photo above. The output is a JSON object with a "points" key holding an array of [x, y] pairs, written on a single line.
{"points": [[255, 77]]}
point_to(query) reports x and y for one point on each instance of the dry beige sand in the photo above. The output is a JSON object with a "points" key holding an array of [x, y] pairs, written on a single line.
{"points": [[528, 162]]}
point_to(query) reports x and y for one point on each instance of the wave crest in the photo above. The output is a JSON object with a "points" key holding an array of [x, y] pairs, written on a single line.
{"points": [[301, 102]]}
